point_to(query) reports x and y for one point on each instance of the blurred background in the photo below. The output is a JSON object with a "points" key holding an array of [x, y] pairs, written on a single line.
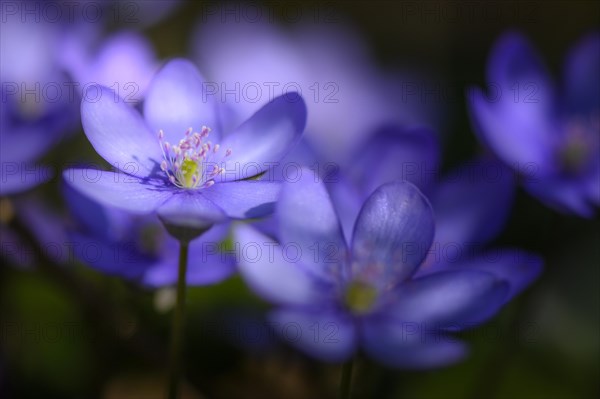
{"points": [[72, 332]]}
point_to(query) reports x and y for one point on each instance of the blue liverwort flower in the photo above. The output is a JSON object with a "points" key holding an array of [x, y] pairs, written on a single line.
{"points": [[329, 64], [37, 105], [551, 138], [471, 202], [124, 61], [168, 163], [138, 248], [340, 295]]}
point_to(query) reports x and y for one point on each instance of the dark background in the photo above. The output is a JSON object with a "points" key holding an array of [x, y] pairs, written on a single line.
{"points": [[543, 345]]}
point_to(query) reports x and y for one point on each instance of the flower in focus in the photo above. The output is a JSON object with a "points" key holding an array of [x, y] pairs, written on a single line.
{"points": [[37, 107], [342, 294], [175, 161], [549, 135]]}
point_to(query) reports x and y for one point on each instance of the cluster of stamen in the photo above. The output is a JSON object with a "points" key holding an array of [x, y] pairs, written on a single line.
{"points": [[185, 163]]}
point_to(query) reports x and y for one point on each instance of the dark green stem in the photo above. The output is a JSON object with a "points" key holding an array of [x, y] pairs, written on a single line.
{"points": [[346, 379], [177, 326]]}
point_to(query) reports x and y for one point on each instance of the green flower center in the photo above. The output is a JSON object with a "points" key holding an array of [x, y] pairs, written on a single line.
{"points": [[190, 172], [360, 297]]}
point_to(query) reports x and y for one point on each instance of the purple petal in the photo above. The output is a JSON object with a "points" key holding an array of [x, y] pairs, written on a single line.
{"points": [[188, 208], [19, 176], [516, 134], [395, 153], [122, 191], [119, 259], [28, 47], [126, 59], [514, 61], [265, 138], [206, 266], [266, 54], [519, 268], [326, 335], [472, 203], [393, 233], [565, 194], [176, 101], [455, 299], [309, 224], [582, 81], [264, 268], [593, 183], [118, 133], [410, 346], [48, 227], [518, 120], [347, 200], [301, 155], [108, 223], [244, 199], [24, 143]]}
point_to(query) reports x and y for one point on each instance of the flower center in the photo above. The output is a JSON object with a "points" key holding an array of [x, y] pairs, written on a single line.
{"points": [[360, 297], [578, 146], [186, 163]]}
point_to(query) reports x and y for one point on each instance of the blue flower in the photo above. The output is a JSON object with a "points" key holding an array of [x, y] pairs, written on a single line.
{"points": [[337, 295], [124, 61], [329, 64], [167, 162], [549, 135], [471, 202], [139, 249], [37, 107]]}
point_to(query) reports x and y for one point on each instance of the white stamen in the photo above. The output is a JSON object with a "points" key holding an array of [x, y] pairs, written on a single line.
{"points": [[184, 162]]}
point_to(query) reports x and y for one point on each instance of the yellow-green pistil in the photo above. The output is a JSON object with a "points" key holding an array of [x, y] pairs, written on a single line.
{"points": [[183, 162], [190, 172], [360, 297]]}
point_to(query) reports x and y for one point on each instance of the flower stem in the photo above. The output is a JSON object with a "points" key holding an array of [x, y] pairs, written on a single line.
{"points": [[346, 379], [177, 326]]}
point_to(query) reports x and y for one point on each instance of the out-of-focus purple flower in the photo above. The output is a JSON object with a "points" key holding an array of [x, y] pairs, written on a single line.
{"points": [[139, 249], [340, 295], [124, 62], [253, 60], [38, 105], [471, 203], [390, 153], [550, 135], [114, 242], [168, 164], [475, 197]]}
